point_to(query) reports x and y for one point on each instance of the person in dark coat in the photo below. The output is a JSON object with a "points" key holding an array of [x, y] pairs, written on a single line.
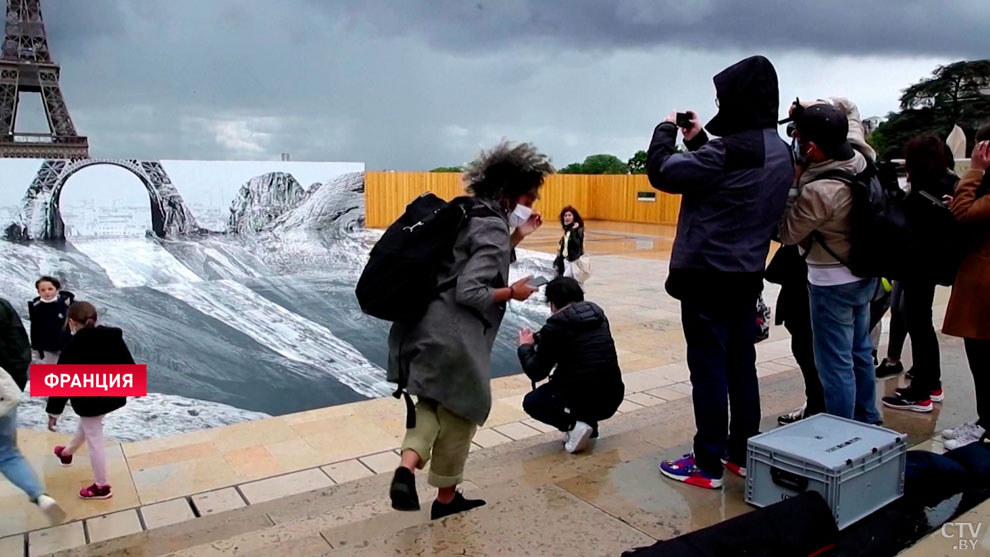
{"points": [[928, 171], [445, 357], [47, 312], [91, 344], [15, 349], [571, 246], [794, 313], [733, 193], [576, 345]]}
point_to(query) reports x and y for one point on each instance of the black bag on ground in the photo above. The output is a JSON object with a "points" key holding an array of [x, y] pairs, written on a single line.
{"points": [[880, 233], [400, 278], [799, 526]]}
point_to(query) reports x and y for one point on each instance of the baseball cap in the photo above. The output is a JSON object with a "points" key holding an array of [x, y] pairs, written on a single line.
{"points": [[828, 127]]}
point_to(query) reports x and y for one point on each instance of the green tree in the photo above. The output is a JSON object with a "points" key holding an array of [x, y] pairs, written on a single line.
{"points": [[637, 164], [448, 169], [956, 94], [604, 164], [573, 168]]}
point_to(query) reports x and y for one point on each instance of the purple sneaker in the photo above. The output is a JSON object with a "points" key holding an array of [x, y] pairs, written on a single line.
{"points": [[686, 470]]}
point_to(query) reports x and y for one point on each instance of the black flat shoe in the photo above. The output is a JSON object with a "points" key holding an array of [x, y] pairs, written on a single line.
{"points": [[403, 490], [458, 505], [888, 369]]}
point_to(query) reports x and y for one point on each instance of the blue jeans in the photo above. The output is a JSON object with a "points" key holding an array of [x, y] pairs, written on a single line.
{"points": [[840, 323], [12, 463], [721, 354]]}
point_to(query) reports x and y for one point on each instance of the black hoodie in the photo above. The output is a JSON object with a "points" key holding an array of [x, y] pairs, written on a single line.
{"points": [[577, 340], [93, 346], [748, 97], [733, 191]]}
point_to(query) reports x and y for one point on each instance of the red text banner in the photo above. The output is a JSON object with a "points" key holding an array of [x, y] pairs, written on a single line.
{"points": [[89, 380]]}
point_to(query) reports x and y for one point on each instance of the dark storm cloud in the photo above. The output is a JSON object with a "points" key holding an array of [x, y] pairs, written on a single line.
{"points": [[416, 84], [922, 27]]}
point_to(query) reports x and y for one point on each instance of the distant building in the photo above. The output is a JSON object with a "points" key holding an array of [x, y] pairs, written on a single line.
{"points": [[871, 124]]}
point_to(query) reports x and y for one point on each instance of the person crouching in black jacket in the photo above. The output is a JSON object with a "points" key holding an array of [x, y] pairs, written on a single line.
{"points": [[576, 345]]}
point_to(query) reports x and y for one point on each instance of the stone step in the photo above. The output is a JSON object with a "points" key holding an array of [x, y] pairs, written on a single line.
{"points": [[539, 521], [358, 513], [336, 508]]}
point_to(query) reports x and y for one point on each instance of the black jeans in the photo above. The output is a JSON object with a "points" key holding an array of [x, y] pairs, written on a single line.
{"points": [[798, 323], [978, 354], [548, 405], [898, 325], [721, 354], [918, 298]]}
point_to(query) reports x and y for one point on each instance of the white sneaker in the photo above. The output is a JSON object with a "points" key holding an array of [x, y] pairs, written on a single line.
{"points": [[953, 444], [793, 416], [965, 429], [51, 509], [578, 438]]}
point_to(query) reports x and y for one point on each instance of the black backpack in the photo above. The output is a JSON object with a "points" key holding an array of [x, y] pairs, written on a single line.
{"points": [[400, 279], [880, 234]]}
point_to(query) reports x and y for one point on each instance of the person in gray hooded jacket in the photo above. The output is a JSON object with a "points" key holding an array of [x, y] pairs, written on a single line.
{"points": [[446, 355], [733, 191]]}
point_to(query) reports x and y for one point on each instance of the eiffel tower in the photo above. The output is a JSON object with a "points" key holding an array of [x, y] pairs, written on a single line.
{"points": [[26, 65]]}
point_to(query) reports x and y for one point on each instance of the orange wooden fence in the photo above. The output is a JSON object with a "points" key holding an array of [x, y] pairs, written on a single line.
{"points": [[622, 198]]}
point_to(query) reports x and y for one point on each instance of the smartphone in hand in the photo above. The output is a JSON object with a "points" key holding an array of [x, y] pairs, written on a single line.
{"points": [[684, 120], [934, 200], [538, 282]]}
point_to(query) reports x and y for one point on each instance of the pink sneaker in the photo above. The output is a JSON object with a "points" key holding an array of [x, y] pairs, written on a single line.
{"points": [[96, 492], [65, 459]]}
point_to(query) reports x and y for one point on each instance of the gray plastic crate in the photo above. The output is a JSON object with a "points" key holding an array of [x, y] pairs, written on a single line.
{"points": [[857, 468]]}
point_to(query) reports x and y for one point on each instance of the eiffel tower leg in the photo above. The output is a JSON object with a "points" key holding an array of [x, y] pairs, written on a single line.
{"points": [[58, 114], [8, 100]]}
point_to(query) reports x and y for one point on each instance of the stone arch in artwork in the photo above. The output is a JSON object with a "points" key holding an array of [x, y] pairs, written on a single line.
{"points": [[40, 218]]}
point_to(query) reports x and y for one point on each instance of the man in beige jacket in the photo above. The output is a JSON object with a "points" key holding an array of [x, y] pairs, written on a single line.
{"points": [[818, 220]]}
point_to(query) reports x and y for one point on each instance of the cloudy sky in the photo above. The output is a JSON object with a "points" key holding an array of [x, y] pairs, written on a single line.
{"points": [[409, 84]]}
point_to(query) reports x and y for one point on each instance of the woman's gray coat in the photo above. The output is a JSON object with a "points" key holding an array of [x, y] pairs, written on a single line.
{"points": [[448, 352]]}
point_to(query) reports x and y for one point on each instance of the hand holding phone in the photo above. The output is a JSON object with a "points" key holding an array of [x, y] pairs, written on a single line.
{"points": [[934, 200], [538, 281]]}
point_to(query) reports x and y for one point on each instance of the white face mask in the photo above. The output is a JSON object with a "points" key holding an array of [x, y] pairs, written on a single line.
{"points": [[519, 215]]}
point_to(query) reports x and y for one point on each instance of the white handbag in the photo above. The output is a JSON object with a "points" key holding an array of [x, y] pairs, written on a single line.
{"points": [[10, 393], [581, 268]]}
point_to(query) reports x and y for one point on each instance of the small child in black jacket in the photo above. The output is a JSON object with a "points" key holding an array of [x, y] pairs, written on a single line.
{"points": [[49, 334], [576, 345], [91, 344]]}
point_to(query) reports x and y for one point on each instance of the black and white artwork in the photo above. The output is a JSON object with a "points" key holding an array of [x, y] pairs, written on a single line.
{"points": [[233, 281]]}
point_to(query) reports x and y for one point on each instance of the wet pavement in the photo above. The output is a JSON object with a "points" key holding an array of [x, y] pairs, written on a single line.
{"points": [[541, 500]]}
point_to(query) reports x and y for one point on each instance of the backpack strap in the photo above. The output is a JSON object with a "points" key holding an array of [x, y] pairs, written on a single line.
{"points": [[846, 178], [817, 236], [401, 392]]}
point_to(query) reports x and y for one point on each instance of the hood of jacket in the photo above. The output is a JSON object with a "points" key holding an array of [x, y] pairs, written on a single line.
{"points": [[748, 97], [100, 335], [580, 315]]}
